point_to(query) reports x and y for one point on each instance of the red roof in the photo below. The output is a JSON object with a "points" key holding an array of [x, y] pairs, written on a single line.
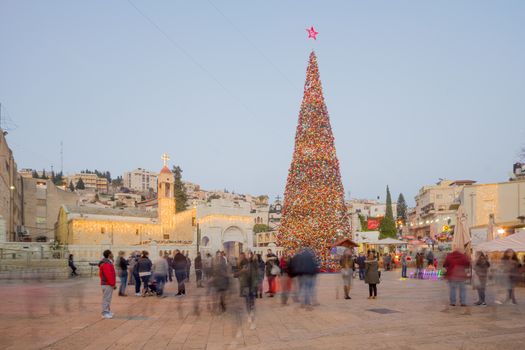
{"points": [[165, 170]]}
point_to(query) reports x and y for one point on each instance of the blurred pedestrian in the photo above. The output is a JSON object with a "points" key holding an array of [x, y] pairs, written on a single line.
{"points": [[180, 266], [188, 265], [305, 267], [481, 267], [404, 265], [160, 272], [420, 261], [248, 280], [347, 271], [260, 276], [372, 275], [107, 281], [272, 271], [221, 280], [170, 267], [134, 267], [198, 270], [456, 265], [122, 268], [207, 266], [143, 267], [510, 267], [71, 264], [361, 264], [286, 277]]}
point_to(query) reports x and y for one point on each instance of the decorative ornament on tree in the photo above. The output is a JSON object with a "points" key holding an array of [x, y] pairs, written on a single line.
{"points": [[312, 33], [314, 211]]}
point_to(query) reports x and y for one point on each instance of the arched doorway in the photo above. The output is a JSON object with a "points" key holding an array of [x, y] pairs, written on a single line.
{"points": [[232, 241]]}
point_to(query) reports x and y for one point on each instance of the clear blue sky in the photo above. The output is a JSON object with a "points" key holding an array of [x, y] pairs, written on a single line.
{"points": [[416, 90]]}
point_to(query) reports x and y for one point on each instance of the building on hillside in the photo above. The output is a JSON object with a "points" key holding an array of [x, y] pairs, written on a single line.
{"points": [[274, 214], [505, 201], [91, 181], [42, 201], [518, 172], [141, 180], [129, 200], [436, 206], [87, 230], [10, 193], [369, 208]]}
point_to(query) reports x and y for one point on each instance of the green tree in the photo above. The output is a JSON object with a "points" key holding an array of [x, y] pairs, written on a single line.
{"points": [[58, 179], [364, 223], [181, 197], [80, 184], [261, 228], [71, 186], [35, 174], [402, 208], [388, 224], [44, 176]]}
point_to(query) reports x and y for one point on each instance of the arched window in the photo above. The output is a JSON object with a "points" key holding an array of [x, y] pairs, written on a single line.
{"points": [[205, 241]]}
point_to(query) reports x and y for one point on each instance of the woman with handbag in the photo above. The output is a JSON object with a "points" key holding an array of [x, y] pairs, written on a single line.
{"points": [[347, 271], [481, 268], [372, 275]]}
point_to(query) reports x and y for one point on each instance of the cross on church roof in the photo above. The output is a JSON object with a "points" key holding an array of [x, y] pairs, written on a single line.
{"points": [[165, 158]]}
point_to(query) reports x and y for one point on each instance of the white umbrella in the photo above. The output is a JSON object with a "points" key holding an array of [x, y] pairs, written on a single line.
{"points": [[490, 228], [461, 232]]}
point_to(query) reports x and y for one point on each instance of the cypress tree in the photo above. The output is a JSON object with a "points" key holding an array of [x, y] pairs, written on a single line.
{"points": [[388, 224], [402, 208]]}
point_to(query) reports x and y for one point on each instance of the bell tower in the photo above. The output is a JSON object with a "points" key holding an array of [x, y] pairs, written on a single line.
{"points": [[166, 196]]}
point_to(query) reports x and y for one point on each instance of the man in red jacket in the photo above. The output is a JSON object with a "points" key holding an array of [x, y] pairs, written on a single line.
{"points": [[457, 264], [107, 281]]}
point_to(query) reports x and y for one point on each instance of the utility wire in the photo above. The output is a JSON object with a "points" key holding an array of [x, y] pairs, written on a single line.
{"points": [[245, 37], [190, 57]]}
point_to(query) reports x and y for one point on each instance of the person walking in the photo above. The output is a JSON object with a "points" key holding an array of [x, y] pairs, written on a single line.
{"points": [[372, 275], [180, 266], [286, 277], [160, 273], [347, 271], [361, 265], [188, 265], [262, 269], [420, 261], [272, 266], [143, 267], [220, 280], [305, 267], [510, 267], [107, 281], [122, 268], [71, 264], [208, 260], [198, 270], [481, 268], [134, 267], [456, 265], [404, 265], [248, 280]]}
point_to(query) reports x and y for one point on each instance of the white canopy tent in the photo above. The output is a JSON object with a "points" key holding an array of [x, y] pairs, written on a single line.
{"points": [[515, 242]]}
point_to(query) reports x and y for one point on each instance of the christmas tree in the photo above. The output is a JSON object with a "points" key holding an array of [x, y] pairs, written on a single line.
{"points": [[314, 211]]}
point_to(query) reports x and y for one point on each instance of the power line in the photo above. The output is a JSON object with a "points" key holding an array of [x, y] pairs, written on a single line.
{"points": [[190, 57], [245, 37]]}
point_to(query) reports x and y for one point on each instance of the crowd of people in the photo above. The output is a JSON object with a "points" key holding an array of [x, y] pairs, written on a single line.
{"points": [[294, 275]]}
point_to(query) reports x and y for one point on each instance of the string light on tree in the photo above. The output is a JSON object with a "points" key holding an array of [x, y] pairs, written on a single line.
{"points": [[314, 211]]}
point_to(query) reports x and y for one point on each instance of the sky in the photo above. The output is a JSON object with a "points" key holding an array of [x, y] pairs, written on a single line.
{"points": [[416, 90]]}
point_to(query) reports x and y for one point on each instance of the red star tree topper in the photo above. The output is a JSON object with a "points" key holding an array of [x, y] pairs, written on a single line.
{"points": [[312, 33], [314, 210]]}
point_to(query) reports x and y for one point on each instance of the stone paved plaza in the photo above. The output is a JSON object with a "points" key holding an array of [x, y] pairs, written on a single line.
{"points": [[412, 315]]}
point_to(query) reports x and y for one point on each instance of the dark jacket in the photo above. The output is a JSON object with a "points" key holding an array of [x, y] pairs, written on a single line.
{"points": [[198, 263], [371, 272], [482, 268], [143, 265], [180, 262], [122, 267], [361, 262], [304, 263], [249, 276]]}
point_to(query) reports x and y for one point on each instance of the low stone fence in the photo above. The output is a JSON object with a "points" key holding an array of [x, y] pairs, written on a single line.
{"points": [[36, 269]]}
